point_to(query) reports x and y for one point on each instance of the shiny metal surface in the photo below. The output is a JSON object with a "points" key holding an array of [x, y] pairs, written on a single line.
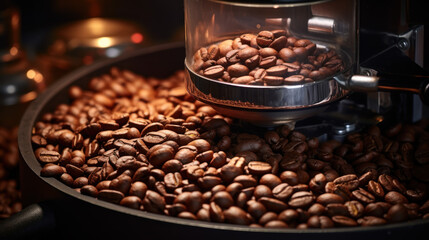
{"points": [[265, 105], [321, 25]]}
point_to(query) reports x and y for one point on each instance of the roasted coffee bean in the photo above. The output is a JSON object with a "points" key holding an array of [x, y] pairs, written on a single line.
{"points": [[232, 56], [363, 196], [159, 154], [74, 171], [256, 209], [272, 204], [89, 190], [355, 208], [216, 213], [153, 202], [138, 189], [320, 222], [301, 199], [247, 52], [131, 202], [327, 198], [375, 209], [264, 38], [270, 180], [394, 197], [243, 80], [289, 177], [287, 55], [349, 181], [215, 71], [173, 180], [109, 195], [122, 183], [336, 209], [375, 188], [259, 168], [282, 191], [51, 170], [397, 213], [371, 221], [317, 183], [46, 156], [223, 199], [294, 79], [268, 62], [207, 182], [162, 151], [343, 221], [262, 191]]}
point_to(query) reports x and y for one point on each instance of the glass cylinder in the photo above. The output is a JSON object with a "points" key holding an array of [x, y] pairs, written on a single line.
{"points": [[326, 23], [278, 55]]}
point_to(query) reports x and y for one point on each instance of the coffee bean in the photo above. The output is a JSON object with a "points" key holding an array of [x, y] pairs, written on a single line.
{"points": [[161, 151], [320, 222], [328, 198], [153, 202], [270, 180], [173, 180], [394, 197], [51, 170], [46, 156], [397, 213], [371, 221], [349, 181], [336, 209], [247, 52], [259, 168], [138, 189], [343, 221], [272, 204], [301, 199], [287, 55], [264, 38], [153, 138], [131, 202], [243, 80], [363, 196], [262, 191], [216, 213], [256, 209], [236, 215], [160, 154], [294, 79], [268, 62], [109, 195], [279, 71], [237, 70], [232, 56], [282, 191]]}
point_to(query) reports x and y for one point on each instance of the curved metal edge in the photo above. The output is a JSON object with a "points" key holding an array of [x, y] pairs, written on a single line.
{"points": [[26, 150], [277, 98]]}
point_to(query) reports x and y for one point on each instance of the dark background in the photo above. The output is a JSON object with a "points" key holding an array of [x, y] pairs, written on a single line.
{"points": [[163, 21]]}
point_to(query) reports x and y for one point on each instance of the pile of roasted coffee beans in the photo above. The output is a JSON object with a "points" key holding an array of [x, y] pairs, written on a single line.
{"points": [[269, 58], [146, 144], [10, 194]]}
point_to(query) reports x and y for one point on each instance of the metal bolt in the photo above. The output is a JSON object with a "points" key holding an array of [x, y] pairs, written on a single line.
{"points": [[403, 44], [366, 73]]}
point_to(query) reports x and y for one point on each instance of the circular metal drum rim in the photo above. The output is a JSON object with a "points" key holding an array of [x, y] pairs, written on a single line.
{"points": [[26, 151], [275, 98]]}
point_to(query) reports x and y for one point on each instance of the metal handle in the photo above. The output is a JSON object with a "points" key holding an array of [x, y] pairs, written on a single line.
{"points": [[34, 221], [417, 84]]}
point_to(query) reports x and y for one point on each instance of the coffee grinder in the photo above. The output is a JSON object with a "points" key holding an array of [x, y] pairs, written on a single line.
{"points": [[382, 70]]}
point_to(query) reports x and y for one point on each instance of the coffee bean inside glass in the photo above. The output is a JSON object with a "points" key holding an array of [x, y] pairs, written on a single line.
{"points": [[247, 58]]}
